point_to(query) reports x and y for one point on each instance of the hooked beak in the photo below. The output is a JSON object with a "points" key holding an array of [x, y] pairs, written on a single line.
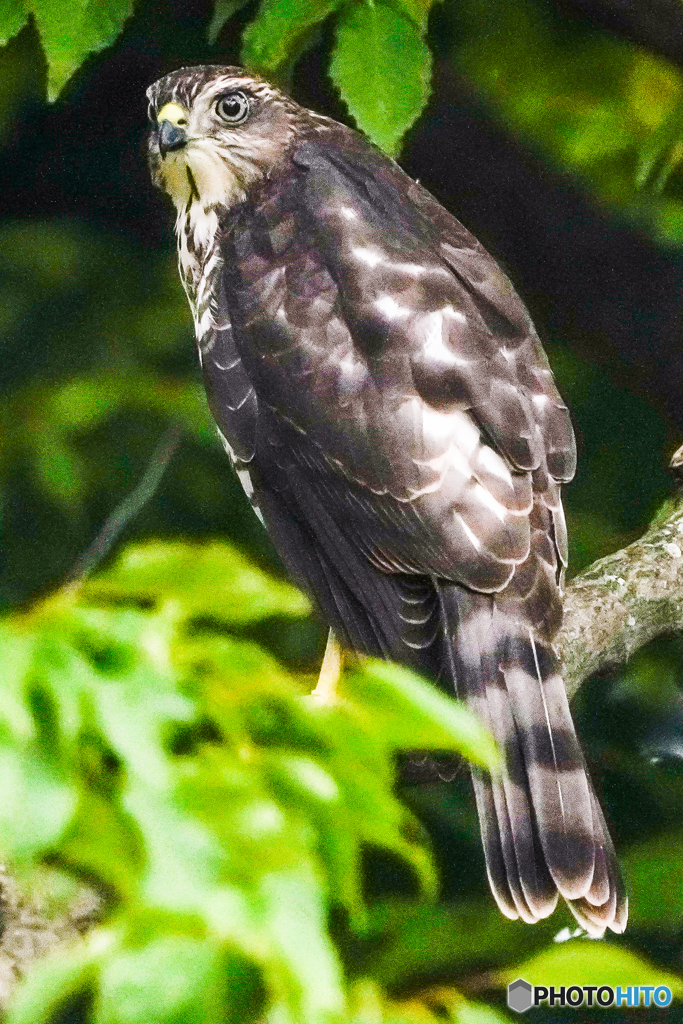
{"points": [[171, 137]]}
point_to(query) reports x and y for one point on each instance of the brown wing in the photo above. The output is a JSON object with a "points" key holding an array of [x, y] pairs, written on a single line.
{"points": [[437, 398], [407, 453]]}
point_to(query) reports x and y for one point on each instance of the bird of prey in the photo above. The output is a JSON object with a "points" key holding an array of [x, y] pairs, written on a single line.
{"points": [[391, 413]]}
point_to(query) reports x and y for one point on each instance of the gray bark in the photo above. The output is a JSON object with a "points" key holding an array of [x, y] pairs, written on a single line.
{"points": [[623, 601]]}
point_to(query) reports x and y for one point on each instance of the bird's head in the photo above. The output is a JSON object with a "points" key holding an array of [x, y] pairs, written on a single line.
{"points": [[215, 131]]}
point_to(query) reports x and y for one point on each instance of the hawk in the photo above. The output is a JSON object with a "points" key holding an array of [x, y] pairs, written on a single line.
{"points": [[391, 413]]}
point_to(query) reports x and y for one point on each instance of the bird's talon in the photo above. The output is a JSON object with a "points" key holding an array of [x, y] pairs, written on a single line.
{"points": [[325, 691]]}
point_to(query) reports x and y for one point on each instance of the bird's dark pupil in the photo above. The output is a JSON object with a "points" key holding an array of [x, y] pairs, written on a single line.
{"points": [[232, 108]]}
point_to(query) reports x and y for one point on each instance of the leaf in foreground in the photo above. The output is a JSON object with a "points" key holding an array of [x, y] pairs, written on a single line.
{"points": [[69, 32], [382, 67], [280, 31]]}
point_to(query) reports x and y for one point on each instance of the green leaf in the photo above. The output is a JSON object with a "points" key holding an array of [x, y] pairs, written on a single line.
{"points": [[417, 11], [102, 842], [280, 31], [37, 804], [183, 856], [208, 580], [59, 472], [13, 17], [70, 32], [178, 765], [235, 672], [439, 1005], [296, 919], [173, 979], [591, 963], [50, 983], [382, 68], [411, 714], [222, 13], [17, 651], [456, 938], [465, 1012]]}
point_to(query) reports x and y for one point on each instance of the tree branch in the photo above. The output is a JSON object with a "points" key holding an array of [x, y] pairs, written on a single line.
{"points": [[130, 507], [623, 601]]}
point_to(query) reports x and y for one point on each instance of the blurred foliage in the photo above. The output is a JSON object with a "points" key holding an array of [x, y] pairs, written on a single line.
{"points": [[601, 109], [147, 746], [605, 111], [254, 855]]}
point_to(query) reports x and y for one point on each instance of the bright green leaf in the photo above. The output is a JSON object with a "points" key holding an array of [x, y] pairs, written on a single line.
{"points": [[418, 11], [382, 68], [411, 714], [280, 31], [17, 650], [37, 803], [102, 842], [296, 918], [209, 580], [70, 32], [465, 1012], [582, 962], [238, 672], [183, 856], [13, 17], [172, 980], [200, 783], [307, 777]]}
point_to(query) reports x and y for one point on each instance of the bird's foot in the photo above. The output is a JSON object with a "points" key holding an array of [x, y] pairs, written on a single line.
{"points": [[325, 691]]}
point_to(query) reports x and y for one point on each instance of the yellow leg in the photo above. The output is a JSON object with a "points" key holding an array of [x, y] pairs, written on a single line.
{"points": [[330, 671]]}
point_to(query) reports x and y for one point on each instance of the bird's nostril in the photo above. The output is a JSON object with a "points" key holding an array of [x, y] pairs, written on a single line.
{"points": [[171, 136]]}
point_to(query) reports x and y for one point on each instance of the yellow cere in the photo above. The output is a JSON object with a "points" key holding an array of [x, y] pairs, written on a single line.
{"points": [[174, 113]]}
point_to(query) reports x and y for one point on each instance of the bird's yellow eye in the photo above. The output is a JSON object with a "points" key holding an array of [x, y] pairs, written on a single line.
{"points": [[173, 113], [233, 107]]}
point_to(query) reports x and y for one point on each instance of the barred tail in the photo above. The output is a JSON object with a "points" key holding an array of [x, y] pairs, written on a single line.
{"points": [[542, 829]]}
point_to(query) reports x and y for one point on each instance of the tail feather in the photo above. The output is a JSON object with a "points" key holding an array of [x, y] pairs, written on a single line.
{"points": [[520, 846], [601, 888], [517, 873], [543, 832], [512, 865], [605, 905], [554, 764], [493, 851]]}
